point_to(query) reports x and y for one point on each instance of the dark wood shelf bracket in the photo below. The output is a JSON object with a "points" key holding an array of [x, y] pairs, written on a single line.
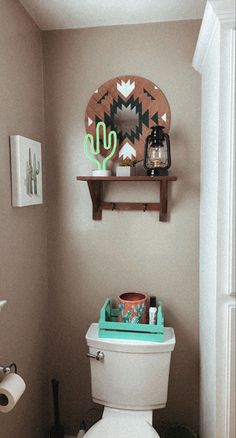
{"points": [[95, 185], [163, 200], [96, 192]]}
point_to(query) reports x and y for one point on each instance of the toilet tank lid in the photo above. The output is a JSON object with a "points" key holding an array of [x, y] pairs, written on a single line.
{"points": [[128, 345]]}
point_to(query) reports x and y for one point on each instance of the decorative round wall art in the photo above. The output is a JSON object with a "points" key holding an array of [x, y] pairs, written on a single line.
{"points": [[129, 105]]}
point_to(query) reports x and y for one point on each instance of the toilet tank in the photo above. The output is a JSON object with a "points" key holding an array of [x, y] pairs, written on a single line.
{"points": [[132, 374]]}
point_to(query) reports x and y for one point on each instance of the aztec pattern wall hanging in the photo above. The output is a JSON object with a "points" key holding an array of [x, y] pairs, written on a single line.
{"points": [[129, 105]]}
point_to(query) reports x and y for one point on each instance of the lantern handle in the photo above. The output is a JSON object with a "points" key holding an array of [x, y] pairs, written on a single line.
{"points": [[145, 151], [148, 138], [166, 136]]}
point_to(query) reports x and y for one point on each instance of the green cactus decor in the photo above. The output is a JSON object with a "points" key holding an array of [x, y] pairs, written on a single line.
{"points": [[33, 171], [95, 150]]}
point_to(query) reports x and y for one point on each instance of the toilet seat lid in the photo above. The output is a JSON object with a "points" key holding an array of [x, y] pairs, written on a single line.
{"points": [[126, 428]]}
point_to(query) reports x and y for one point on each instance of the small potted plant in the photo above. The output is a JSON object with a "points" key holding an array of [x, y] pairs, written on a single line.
{"points": [[126, 167]]}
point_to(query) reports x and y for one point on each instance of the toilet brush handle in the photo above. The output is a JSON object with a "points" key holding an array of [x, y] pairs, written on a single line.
{"points": [[55, 389]]}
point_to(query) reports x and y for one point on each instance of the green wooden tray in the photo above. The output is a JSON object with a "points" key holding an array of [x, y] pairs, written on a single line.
{"points": [[110, 328]]}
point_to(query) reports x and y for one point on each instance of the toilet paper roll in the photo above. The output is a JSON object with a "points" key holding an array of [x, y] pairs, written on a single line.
{"points": [[11, 389]]}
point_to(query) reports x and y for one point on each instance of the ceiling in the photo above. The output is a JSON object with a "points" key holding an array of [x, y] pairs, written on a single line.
{"points": [[69, 14]]}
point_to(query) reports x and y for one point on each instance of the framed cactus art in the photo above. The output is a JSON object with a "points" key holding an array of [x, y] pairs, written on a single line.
{"points": [[26, 171]]}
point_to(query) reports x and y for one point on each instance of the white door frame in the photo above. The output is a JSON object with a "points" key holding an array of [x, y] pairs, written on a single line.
{"points": [[214, 59]]}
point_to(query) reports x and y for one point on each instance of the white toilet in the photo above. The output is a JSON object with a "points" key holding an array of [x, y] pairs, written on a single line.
{"points": [[130, 378]]}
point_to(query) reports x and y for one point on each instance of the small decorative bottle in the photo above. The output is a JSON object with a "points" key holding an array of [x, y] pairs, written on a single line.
{"points": [[153, 311]]}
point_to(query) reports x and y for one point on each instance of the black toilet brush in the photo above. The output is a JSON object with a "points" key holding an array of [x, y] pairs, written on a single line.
{"points": [[57, 431]]}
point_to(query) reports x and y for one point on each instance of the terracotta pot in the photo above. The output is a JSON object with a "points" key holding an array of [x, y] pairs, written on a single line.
{"points": [[132, 307]]}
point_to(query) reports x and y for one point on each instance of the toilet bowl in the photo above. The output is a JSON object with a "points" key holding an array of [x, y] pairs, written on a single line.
{"points": [[130, 379], [122, 424]]}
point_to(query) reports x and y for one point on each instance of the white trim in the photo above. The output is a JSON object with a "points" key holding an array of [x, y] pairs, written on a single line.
{"points": [[229, 372], [231, 287], [214, 58], [225, 11], [205, 38], [216, 12], [2, 303]]}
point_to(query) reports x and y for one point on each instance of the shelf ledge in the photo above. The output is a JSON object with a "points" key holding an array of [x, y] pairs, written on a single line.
{"points": [[127, 178]]}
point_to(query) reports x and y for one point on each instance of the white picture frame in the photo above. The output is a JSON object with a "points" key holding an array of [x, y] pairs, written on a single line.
{"points": [[26, 171]]}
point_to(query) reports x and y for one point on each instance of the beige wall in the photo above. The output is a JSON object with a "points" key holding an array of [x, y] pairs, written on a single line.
{"points": [[23, 270], [89, 260]]}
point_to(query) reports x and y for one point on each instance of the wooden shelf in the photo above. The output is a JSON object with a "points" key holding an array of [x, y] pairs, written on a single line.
{"points": [[95, 185]]}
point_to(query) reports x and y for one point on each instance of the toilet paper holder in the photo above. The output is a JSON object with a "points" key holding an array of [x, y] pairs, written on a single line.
{"points": [[7, 369]]}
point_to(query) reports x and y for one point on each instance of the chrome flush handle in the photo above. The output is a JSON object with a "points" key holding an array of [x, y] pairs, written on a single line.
{"points": [[98, 356]]}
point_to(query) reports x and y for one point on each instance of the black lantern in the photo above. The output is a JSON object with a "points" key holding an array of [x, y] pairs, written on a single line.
{"points": [[157, 152]]}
